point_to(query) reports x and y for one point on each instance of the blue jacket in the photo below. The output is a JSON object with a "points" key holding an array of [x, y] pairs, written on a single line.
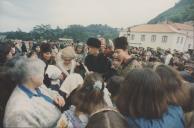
{"points": [[173, 118]]}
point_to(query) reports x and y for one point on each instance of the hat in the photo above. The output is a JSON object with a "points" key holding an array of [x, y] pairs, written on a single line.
{"points": [[68, 52], [45, 47], [93, 42], [121, 43]]}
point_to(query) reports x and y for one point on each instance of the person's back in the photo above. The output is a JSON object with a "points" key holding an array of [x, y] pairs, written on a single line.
{"points": [[173, 118], [107, 118], [113, 85], [143, 99]]}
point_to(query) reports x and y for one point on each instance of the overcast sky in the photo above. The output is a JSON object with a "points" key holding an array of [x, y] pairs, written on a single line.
{"points": [[25, 14]]}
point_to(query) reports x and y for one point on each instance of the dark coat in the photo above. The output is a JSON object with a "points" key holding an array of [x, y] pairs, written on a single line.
{"points": [[99, 63], [24, 49]]}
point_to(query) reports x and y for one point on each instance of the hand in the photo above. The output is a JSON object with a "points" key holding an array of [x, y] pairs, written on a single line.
{"points": [[63, 123], [88, 73], [77, 64], [61, 77], [60, 101]]}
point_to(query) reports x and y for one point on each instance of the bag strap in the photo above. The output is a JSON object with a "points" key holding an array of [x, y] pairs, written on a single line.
{"points": [[45, 69], [103, 110]]}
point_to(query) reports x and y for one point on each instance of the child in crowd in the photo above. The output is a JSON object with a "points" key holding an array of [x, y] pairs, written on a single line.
{"points": [[86, 100]]}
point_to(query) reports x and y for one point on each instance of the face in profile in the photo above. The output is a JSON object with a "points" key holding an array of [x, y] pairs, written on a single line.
{"points": [[116, 63], [47, 56], [119, 54], [13, 50], [103, 44], [9, 56], [79, 50], [38, 48], [92, 50], [38, 78]]}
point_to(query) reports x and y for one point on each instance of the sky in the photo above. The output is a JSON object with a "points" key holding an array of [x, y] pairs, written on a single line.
{"points": [[25, 14]]}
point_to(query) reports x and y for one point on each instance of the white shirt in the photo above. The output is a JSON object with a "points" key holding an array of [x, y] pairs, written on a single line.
{"points": [[23, 111]]}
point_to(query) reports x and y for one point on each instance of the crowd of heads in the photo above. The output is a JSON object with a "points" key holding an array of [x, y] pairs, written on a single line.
{"points": [[154, 80]]}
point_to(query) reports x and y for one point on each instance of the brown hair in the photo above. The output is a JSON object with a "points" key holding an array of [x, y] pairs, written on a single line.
{"points": [[5, 48], [114, 85], [142, 95], [177, 93], [88, 96], [107, 119]]}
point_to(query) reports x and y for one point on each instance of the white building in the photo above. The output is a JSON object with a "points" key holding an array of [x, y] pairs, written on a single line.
{"points": [[167, 35]]}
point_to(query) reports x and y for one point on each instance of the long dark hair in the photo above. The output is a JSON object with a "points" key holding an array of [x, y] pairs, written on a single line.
{"points": [[5, 48], [176, 91], [7, 85], [88, 96], [142, 95]]}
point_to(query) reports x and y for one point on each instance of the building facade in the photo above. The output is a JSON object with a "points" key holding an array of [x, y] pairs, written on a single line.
{"points": [[166, 36]]}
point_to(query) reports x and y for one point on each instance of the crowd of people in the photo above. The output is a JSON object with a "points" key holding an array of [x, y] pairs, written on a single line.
{"points": [[97, 84]]}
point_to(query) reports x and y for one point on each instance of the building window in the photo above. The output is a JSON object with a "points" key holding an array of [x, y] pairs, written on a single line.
{"points": [[153, 38], [164, 39], [142, 38], [178, 38], [189, 46], [132, 37], [182, 40]]}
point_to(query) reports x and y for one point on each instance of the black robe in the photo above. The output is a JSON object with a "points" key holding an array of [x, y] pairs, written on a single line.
{"points": [[100, 63]]}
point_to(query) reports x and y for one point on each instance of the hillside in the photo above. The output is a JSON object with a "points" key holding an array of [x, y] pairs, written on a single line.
{"points": [[181, 12]]}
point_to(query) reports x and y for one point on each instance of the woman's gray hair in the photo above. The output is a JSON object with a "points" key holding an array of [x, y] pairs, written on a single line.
{"points": [[22, 68]]}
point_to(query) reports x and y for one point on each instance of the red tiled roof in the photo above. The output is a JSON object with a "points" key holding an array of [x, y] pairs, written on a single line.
{"points": [[169, 28], [179, 26]]}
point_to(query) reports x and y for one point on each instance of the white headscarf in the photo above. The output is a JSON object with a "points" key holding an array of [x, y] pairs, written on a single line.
{"points": [[71, 83]]}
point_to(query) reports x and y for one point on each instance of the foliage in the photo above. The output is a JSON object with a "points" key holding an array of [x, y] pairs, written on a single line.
{"points": [[181, 12], [76, 32]]}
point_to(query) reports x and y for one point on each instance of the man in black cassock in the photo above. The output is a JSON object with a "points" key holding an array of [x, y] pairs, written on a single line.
{"points": [[96, 61]]}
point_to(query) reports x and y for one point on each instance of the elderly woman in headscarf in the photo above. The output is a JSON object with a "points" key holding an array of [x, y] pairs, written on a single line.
{"points": [[66, 60], [30, 104]]}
